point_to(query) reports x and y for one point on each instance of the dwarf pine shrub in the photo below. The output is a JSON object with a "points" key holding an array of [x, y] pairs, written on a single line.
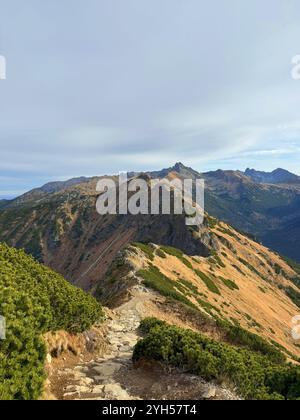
{"points": [[255, 376], [34, 300]]}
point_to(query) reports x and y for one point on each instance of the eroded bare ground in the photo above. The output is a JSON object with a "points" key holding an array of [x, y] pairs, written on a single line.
{"points": [[113, 376]]}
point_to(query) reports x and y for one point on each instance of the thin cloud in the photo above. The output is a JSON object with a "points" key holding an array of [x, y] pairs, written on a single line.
{"points": [[136, 85]]}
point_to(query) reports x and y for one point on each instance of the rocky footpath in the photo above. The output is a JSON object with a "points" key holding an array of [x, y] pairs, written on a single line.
{"points": [[113, 376]]}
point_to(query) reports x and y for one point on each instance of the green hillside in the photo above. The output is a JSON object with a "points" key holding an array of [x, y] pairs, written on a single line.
{"points": [[34, 300]]}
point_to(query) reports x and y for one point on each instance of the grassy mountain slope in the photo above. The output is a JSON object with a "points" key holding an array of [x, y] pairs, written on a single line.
{"points": [[34, 300], [242, 282]]}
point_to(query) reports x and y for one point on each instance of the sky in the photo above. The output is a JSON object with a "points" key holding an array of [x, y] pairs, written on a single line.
{"points": [[100, 86]]}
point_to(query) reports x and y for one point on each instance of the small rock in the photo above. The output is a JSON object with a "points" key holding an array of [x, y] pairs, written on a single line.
{"points": [[82, 389], [98, 389], [107, 369], [209, 393], [116, 392], [86, 381], [70, 389], [71, 394], [125, 349], [79, 368]]}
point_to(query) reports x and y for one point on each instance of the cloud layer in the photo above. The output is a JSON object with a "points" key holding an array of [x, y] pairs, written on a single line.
{"points": [[97, 86]]}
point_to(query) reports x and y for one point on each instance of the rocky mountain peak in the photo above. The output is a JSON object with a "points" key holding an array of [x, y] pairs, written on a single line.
{"points": [[278, 176]]}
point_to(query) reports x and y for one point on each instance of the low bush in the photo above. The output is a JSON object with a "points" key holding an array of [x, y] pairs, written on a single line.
{"points": [[209, 308], [34, 300], [293, 295], [160, 253], [238, 269], [154, 279], [208, 282], [215, 259], [178, 254], [146, 249], [254, 375], [189, 286], [241, 337], [229, 283], [250, 267]]}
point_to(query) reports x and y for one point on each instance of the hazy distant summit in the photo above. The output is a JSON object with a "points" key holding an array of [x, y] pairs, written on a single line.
{"points": [[278, 176]]}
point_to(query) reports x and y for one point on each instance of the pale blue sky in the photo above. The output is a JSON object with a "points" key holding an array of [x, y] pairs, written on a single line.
{"points": [[99, 86]]}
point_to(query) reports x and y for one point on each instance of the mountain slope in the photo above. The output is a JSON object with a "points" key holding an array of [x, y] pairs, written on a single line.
{"points": [[3, 203], [242, 282], [64, 231], [238, 302], [245, 201]]}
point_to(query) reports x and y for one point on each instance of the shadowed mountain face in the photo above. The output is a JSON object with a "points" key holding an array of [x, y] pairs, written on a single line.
{"points": [[3, 203], [279, 176], [253, 207]]}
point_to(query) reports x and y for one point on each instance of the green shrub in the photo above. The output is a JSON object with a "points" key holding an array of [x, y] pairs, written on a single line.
{"points": [[241, 337], [296, 281], [294, 266], [148, 323], [160, 253], [293, 295], [277, 269], [147, 249], [178, 254], [254, 375], [217, 260], [34, 300], [250, 267], [211, 222], [229, 283], [229, 233], [209, 308], [154, 279], [190, 286], [208, 282], [238, 269]]}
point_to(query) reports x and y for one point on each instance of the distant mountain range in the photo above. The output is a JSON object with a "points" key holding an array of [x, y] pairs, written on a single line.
{"points": [[265, 205], [279, 176]]}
